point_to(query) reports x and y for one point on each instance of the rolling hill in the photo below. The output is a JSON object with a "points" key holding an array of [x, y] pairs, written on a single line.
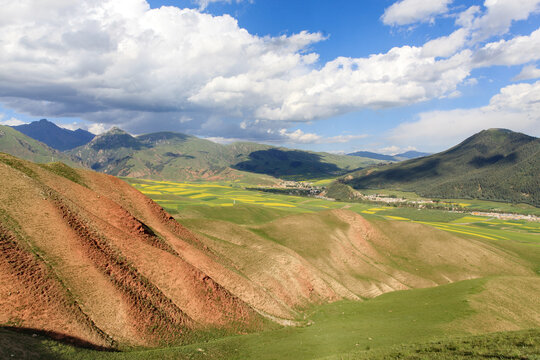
{"points": [[54, 136], [494, 164], [174, 156]]}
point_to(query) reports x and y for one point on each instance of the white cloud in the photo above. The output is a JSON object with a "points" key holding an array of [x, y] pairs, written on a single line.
{"points": [[527, 73], [499, 16], [300, 137], [120, 62], [203, 4], [446, 45], [94, 128], [406, 12], [394, 150], [516, 51], [516, 107], [10, 122]]}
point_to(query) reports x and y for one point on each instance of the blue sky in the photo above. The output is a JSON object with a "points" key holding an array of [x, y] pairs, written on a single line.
{"points": [[338, 76]]}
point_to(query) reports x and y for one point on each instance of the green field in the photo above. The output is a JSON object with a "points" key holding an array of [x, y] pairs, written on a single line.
{"points": [[176, 197], [207, 200]]}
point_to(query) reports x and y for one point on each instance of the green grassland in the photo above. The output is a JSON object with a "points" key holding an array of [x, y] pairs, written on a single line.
{"points": [[343, 330]]}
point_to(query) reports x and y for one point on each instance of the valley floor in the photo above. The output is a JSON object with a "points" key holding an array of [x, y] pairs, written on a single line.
{"points": [[413, 324]]}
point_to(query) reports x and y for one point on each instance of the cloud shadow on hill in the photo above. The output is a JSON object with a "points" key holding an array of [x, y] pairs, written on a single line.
{"points": [[287, 163]]}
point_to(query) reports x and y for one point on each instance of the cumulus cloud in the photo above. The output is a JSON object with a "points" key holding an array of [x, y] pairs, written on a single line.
{"points": [[516, 107], [94, 128], [518, 50], [120, 62], [527, 73], [446, 46], [406, 12], [394, 150], [499, 16]]}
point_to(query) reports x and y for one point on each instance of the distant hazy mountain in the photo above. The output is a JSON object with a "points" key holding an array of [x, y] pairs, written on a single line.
{"points": [[17, 144], [411, 155], [372, 155], [174, 156], [55, 136], [494, 164], [398, 157]]}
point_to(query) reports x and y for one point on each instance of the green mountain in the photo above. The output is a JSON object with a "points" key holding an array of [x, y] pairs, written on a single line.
{"points": [[17, 144], [55, 136], [174, 156], [494, 164]]}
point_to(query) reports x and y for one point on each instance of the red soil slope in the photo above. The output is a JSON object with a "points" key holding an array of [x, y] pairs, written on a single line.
{"points": [[76, 262]]}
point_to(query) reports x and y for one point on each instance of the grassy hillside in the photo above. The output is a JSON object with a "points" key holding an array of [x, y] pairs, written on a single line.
{"points": [[494, 164], [17, 144], [173, 156]]}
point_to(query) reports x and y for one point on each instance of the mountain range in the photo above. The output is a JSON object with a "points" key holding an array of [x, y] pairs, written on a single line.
{"points": [[174, 156], [495, 164]]}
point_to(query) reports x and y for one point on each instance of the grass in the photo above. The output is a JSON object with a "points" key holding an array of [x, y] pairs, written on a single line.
{"points": [[63, 170], [505, 345], [342, 330]]}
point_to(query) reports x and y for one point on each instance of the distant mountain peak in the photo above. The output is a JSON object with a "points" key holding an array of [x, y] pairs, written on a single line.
{"points": [[115, 138], [114, 131], [54, 136]]}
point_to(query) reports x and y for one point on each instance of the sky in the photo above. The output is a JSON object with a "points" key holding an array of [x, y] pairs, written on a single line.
{"points": [[338, 76]]}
